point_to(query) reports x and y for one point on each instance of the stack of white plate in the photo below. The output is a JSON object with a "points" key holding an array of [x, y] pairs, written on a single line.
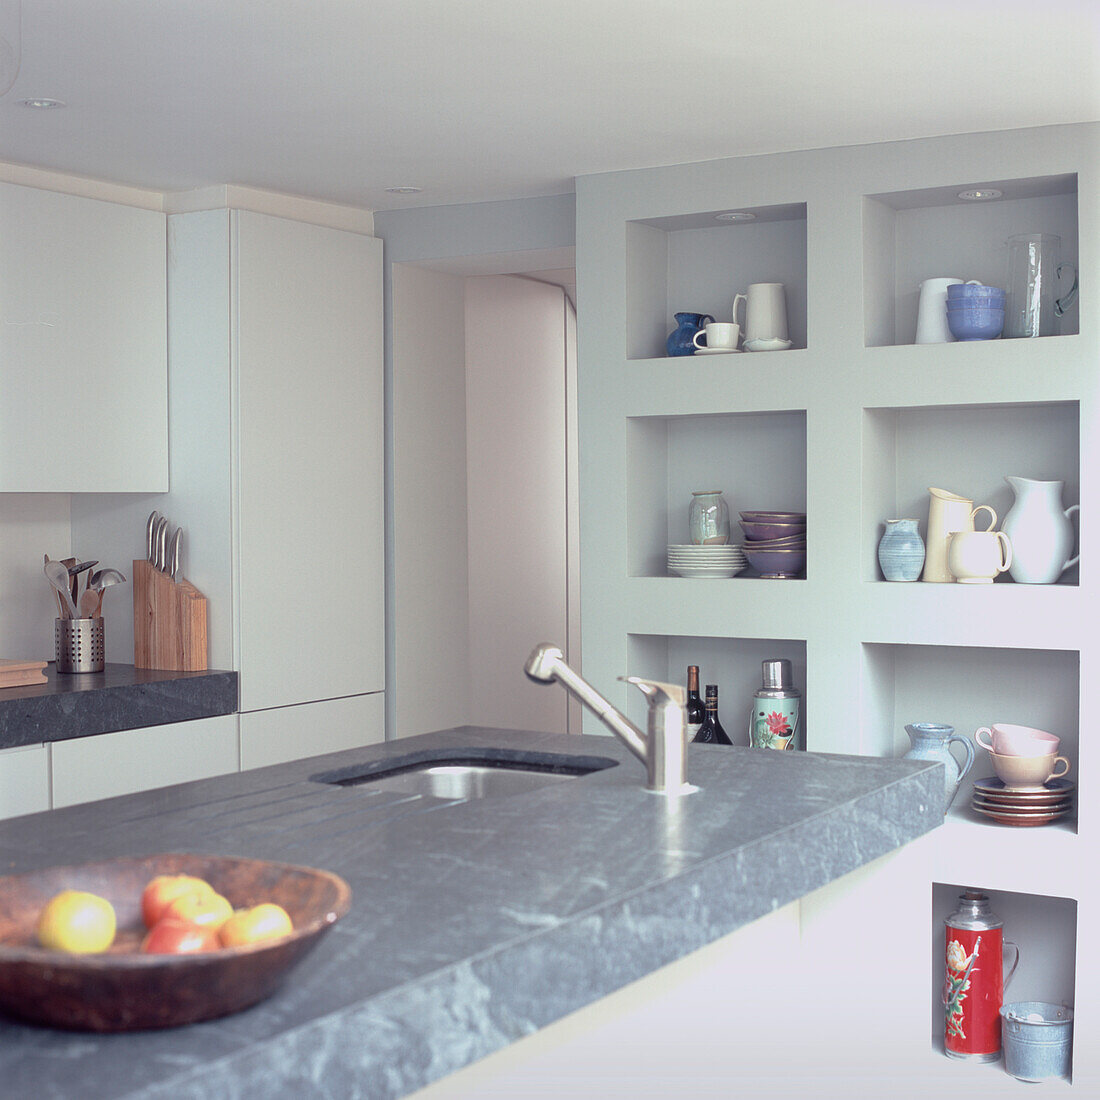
{"points": [[705, 561]]}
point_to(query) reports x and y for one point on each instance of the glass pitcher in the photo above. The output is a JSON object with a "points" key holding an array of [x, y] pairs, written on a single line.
{"points": [[1031, 305]]}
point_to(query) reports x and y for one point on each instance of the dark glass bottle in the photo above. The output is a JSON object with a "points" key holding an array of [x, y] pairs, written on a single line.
{"points": [[695, 710], [711, 732]]}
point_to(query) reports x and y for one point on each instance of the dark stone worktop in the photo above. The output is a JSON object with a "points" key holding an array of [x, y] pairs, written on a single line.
{"points": [[472, 924], [120, 697]]}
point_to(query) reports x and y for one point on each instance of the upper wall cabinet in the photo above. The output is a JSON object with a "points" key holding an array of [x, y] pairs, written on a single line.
{"points": [[83, 345]]}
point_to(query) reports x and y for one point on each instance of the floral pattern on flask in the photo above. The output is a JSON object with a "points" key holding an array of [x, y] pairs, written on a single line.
{"points": [[956, 982], [775, 730]]}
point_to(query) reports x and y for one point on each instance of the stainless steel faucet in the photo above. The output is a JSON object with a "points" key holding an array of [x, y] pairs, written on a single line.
{"points": [[663, 749]]}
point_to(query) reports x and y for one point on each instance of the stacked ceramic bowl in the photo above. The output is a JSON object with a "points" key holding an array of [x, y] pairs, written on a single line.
{"points": [[775, 542], [975, 312], [705, 561]]}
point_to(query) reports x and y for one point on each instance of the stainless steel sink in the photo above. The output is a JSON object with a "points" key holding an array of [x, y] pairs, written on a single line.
{"points": [[470, 774]]}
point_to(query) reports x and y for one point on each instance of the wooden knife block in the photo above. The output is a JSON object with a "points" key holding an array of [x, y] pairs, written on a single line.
{"points": [[169, 622]]}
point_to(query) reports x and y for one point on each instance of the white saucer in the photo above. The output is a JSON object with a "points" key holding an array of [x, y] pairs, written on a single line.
{"points": [[716, 351], [775, 344]]}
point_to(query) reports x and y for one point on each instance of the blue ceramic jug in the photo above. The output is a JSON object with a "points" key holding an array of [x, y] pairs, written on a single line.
{"points": [[682, 340], [929, 741]]}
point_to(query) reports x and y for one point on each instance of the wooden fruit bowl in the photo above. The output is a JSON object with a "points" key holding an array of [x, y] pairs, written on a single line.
{"points": [[123, 989]]}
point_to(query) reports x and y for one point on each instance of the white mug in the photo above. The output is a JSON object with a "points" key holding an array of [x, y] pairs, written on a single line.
{"points": [[932, 310], [766, 311], [719, 335]]}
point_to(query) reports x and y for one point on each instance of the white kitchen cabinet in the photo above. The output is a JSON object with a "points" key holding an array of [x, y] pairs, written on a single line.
{"points": [[853, 425], [85, 769], [83, 345], [307, 309], [309, 729], [24, 780]]}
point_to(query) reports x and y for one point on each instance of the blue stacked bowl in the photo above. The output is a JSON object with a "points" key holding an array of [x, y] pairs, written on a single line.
{"points": [[975, 312]]}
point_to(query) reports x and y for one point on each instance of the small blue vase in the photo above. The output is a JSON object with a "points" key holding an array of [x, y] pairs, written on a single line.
{"points": [[901, 550], [682, 340]]}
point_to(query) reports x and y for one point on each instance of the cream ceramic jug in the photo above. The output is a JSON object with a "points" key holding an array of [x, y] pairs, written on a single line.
{"points": [[947, 513]]}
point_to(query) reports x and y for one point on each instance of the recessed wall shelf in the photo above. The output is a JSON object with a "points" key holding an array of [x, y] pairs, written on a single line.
{"points": [[1045, 930], [757, 460], [909, 236], [731, 663], [968, 450], [968, 687], [696, 263]]}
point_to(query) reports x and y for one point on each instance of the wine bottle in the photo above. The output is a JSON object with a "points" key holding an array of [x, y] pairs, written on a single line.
{"points": [[695, 710], [711, 732]]}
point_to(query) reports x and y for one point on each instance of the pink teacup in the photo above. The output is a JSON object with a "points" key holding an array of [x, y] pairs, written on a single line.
{"points": [[1028, 773], [1007, 740]]}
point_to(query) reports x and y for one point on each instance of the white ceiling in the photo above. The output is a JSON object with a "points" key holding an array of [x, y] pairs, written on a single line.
{"points": [[476, 100]]}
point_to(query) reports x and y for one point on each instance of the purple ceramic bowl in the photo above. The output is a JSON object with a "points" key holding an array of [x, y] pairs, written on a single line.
{"points": [[787, 562], [787, 542], [774, 517], [975, 323], [757, 531]]}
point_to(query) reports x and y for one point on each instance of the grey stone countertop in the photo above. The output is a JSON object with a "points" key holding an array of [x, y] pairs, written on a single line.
{"points": [[472, 924], [120, 697]]}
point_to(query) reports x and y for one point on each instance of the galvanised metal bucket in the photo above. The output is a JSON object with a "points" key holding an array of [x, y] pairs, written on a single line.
{"points": [[1037, 1039]]}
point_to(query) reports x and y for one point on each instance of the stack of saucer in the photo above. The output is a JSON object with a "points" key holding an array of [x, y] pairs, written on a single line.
{"points": [[705, 561], [991, 798]]}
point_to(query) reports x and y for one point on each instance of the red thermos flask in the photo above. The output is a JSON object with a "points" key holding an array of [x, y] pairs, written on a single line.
{"points": [[974, 981]]}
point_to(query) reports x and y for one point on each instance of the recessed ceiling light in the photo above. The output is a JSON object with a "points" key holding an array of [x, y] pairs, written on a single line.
{"points": [[404, 190], [980, 194], [42, 104], [735, 216]]}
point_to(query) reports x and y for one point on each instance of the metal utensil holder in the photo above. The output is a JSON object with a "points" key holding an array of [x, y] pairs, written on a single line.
{"points": [[78, 645]]}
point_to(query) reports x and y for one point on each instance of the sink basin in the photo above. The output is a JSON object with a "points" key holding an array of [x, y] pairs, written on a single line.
{"points": [[465, 774]]}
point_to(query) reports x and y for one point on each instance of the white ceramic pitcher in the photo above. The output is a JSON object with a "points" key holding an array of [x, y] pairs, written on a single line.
{"points": [[1040, 531], [765, 311]]}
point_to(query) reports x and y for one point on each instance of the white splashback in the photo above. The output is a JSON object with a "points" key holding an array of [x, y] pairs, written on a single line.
{"points": [[31, 524]]}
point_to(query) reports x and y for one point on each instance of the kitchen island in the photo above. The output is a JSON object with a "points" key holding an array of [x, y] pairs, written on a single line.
{"points": [[473, 923]]}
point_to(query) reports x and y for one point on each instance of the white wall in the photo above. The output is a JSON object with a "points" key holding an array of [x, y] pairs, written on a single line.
{"points": [[31, 524], [480, 525], [430, 687], [516, 495]]}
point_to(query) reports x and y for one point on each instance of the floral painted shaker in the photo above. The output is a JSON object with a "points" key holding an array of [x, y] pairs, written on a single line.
{"points": [[776, 708]]}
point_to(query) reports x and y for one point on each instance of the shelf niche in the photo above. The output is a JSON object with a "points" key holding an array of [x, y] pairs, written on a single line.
{"points": [[968, 450], [1042, 926], [970, 687], [910, 236], [695, 263], [731, 663], [757, 460]]}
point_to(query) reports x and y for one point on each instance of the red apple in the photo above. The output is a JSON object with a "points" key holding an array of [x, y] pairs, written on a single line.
{"points": [[209, 909], [162, 889], [179, 937]]}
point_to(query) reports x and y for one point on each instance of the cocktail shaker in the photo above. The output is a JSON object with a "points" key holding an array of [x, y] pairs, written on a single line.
{"points": [[776, 707]]}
